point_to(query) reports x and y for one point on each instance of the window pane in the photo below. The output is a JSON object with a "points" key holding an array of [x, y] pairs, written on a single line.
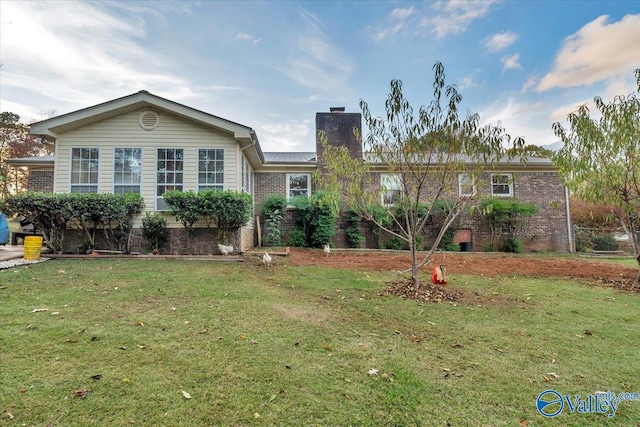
{"points": [[168, 172], [210, 169], [501, 184]]}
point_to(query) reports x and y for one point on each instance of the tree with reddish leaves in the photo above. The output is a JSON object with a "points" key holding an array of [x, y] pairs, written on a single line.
{"points": [[600, 159], [16, 142]]}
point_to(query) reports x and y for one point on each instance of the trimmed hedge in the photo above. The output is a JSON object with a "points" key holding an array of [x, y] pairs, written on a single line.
{"points": [[53, 213]]}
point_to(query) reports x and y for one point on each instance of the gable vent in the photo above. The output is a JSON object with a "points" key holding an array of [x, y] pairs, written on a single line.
{"points": [[149, 120]]}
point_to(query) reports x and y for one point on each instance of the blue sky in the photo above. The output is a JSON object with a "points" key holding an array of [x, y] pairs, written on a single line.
{"points": [[272, 65]]}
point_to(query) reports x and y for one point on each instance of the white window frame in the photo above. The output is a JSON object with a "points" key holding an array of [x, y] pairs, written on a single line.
{"points": [[175, 174], [466, 180], [508, 184], [84, 171], [390, 189], [211, 179], [289, 189], [127, 181], [247, 176]]}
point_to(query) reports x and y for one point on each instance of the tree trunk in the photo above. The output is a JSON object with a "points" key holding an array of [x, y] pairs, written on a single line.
{"points": [[415, 277]]}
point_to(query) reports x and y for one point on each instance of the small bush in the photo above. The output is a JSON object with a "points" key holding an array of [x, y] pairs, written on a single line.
{"points": [[583, 241], [395, 243], [512, 245], [154, 231], [297, 238], [604, 242], [451, 247], [273, 211]]}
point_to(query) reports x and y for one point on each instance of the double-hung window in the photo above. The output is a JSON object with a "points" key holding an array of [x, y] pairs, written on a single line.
{"points": [[247, 177], [390, 189], [298, 184], [127, 170], [85, 163], [466, 185], [169, 173], [211, 169], [501, 184]]}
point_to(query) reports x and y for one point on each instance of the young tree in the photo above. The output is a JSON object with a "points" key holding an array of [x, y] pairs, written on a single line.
{"points": [[600, 159], [15, 141], [423, 156]]}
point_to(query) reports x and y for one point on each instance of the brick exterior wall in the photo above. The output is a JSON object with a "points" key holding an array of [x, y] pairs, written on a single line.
{"points": [[338, 127], [41, 181], [547, 230], [268, 183]]}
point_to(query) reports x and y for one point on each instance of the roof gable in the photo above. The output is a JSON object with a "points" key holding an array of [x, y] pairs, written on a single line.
{"points": [[50, 128]]}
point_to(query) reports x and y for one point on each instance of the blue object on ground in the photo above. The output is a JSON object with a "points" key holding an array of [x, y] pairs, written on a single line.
{"points": [[4, 229]]}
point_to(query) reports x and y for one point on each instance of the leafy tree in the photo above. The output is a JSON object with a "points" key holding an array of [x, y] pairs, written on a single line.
{"points": [[15, 142], [536, 151], [600, 159], [424, 151], [593, 215]]}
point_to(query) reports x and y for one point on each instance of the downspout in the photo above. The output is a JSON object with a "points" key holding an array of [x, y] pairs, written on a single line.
{"points": [[568, 212], [240, 160]]}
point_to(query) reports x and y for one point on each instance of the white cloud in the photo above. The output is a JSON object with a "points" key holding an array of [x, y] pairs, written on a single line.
{"points": [[316, 63], [288, 135], [79, 54], [397, 17], [500, 41], [399, 13], [455, 16], [248, 37], [532, 81], [598, 51], [511, 62], [528, 120], [466, 82]]}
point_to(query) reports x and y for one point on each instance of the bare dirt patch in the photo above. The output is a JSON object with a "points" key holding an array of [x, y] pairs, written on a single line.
{"points": [[585, 270]]}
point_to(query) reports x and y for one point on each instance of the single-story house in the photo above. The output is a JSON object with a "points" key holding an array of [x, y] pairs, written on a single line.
{"points": [[147, 144]]}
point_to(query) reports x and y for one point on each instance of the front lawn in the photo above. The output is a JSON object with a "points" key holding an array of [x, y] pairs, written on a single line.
{"points": [[188, 343]]}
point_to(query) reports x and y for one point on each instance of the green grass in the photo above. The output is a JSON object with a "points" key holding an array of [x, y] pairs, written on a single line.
{"points": [[295, 345]]}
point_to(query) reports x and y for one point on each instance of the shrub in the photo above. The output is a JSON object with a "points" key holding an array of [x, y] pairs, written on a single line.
{"points": [[394, 242], [604, 242], [297, 238], [506, 218], [583, 240], [184, 207], [512, 245], [273, 211], [226, 210], [53, 212], [154, 231], [316, 216]]}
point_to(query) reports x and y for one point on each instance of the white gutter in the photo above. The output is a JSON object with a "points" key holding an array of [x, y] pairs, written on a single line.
{"points": [[568, 212]]}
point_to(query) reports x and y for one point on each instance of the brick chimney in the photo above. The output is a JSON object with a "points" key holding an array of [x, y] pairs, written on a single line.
{"points": [[338, 127]]}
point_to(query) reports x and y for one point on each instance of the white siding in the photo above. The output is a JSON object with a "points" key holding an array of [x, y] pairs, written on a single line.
{"points": [[125, 131]]}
